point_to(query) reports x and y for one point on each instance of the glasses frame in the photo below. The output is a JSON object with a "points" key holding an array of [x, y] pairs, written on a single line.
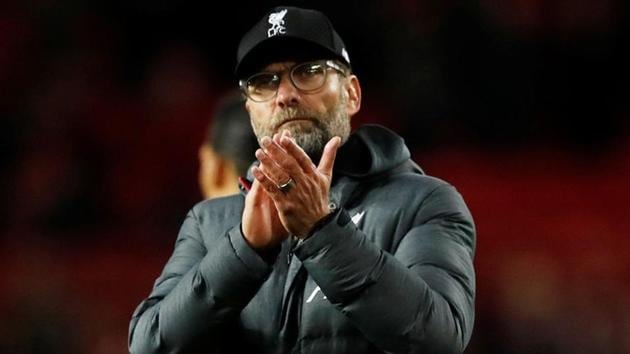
{"points": [[277, 77]]}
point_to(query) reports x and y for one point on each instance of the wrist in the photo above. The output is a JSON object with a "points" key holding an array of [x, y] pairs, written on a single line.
{"points": [[268, 252], [333, 211]]}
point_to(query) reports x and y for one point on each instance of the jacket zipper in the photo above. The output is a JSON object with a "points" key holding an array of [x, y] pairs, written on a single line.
{"points": [[291, 246]]}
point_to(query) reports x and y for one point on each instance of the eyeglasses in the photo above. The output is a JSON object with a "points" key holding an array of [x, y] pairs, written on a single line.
{"points": [[306, 77]]}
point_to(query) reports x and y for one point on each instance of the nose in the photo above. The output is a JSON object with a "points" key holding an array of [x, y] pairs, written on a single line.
{"points": [[288, 95]]}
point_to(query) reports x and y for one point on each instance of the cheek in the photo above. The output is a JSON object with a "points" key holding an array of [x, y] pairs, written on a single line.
{"points": [[255, 110], [256, 116], [260, 126], [332, 96]]}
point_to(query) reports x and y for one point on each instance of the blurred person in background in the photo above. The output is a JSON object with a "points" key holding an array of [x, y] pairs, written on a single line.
{"points": [[228, 150], [339, 242]]}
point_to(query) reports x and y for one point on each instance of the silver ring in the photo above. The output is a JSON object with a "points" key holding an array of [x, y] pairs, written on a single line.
{"points": [[286, 186]]}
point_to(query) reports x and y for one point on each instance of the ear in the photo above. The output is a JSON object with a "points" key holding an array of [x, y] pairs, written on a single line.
{"points": [[204, 153], [353, 90], [210, 171]]}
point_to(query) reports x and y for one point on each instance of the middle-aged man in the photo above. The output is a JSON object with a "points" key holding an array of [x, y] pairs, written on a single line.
{"points": [[338, 243]]}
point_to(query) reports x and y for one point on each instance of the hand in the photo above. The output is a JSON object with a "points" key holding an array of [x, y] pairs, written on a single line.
{"points": [[306, 202], [260, 222]]}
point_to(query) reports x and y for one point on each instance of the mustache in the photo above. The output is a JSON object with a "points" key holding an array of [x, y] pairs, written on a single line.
{"points": [[292, 113]]}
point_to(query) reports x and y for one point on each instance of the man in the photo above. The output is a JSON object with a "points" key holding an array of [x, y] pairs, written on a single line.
{"points": [[340, 245], [228, 150]]}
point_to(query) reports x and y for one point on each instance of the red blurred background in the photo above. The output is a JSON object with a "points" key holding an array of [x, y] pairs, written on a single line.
{"points": [[521, 104]]}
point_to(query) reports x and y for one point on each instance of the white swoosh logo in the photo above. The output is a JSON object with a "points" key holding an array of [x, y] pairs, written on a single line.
{"points": [[315, 291], [357, 217]]}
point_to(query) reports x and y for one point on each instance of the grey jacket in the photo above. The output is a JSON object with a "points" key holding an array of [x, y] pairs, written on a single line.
{"points": [[390, 271]]}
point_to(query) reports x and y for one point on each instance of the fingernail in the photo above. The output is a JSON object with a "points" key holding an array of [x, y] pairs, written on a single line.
{"points": [[265, 141], [257, 172]]}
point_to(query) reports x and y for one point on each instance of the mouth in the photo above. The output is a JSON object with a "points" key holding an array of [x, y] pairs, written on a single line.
{"points": [[297, 120]]}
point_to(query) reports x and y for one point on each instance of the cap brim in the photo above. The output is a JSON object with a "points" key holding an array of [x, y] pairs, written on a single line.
{"points": [[281, 48]]}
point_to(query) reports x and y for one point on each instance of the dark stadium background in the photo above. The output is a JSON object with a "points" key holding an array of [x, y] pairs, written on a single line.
{"points": [[522, 104]]}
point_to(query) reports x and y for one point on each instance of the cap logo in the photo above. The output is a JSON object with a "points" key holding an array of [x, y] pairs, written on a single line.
{"points": [[276, 20]]}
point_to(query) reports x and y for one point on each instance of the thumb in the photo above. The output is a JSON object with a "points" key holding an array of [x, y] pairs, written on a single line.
{"points": [[328, 156], [256, 192]]}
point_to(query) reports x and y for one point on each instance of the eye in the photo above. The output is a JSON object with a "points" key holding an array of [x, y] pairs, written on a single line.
{"points": [[263, 81], [308, 70]]}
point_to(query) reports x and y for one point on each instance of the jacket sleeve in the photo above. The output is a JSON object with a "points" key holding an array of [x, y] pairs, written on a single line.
{"points": [[200, 291], [417, 299]]}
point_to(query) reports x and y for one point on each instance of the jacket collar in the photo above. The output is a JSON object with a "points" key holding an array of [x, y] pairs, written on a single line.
{"points": [[371, 150]]}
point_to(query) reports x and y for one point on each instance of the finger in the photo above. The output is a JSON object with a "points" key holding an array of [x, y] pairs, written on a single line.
{"points": [[271, 169], [280, 156], [255, 194], [267, 184], [267, 139], [278, 136], [328, 156], [303, 160], [271, 147]]}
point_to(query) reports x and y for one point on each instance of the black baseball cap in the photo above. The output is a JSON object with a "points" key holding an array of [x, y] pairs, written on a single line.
{"points": [[289, 33]]}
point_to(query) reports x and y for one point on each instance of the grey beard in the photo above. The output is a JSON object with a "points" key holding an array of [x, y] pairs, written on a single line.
{"points": [[313, 139]]}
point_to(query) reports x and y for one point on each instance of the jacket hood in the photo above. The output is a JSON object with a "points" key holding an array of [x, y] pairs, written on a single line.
{"points": [[370, 150]]}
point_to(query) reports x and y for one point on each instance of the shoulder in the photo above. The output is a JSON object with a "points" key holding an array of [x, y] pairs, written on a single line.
{"points": [[409, 179], [218, 208], [429, 188], [411, 191]]}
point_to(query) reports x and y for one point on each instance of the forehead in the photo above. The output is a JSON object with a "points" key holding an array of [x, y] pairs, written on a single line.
{"points": [[279, 66]]}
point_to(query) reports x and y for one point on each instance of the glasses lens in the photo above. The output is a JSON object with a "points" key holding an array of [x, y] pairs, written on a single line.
{"points": [[309, 76], [263, 86]]}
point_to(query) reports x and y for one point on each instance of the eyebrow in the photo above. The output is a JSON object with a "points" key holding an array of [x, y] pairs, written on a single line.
{"points": [[281, 66]]}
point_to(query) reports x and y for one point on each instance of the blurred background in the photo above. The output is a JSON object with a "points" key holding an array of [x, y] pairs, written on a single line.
{"points": [[523, 105]]}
